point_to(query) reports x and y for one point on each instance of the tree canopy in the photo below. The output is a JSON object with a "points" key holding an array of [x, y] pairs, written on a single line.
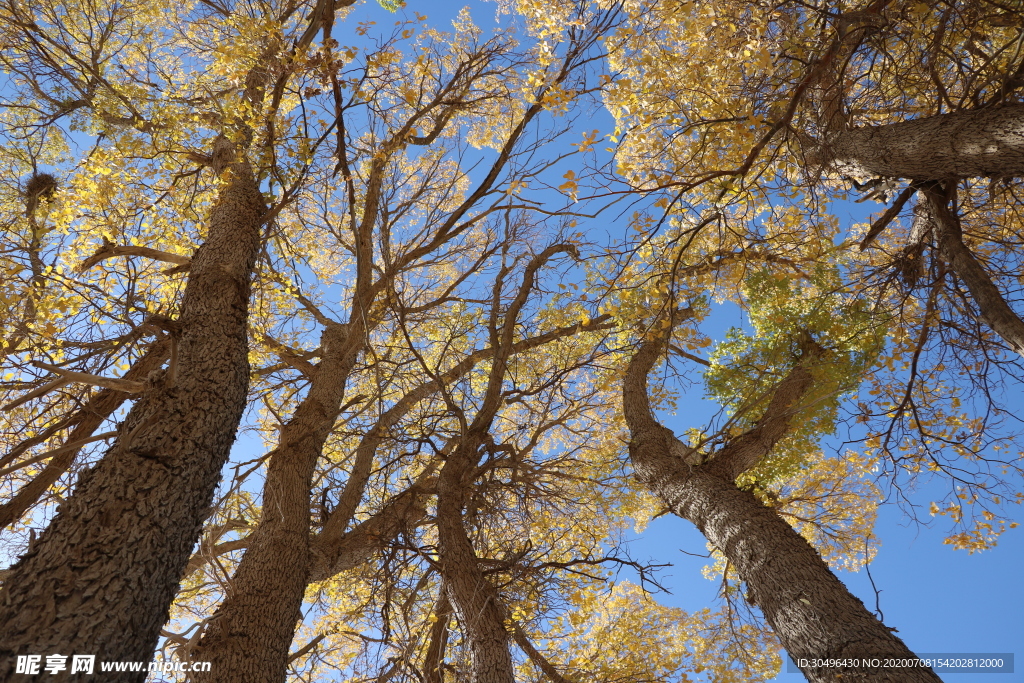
{"points": [[441, 288]]}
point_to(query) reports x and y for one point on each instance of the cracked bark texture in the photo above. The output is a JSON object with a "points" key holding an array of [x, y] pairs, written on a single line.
{"points": [[101, 578], [249, 636], [980, 143], [811, 611]]}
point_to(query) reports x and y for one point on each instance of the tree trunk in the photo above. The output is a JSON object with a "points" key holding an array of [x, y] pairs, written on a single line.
{"points": [[281, 559], [811, 611], [979, 143], [949, 236], [433, 661], [102, 576], [249, 637], [472, 595]]}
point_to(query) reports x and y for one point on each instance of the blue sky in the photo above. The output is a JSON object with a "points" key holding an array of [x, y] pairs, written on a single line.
{"points": [[941, 600]]}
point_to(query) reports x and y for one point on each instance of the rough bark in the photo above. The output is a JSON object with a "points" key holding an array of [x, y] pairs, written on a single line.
{"points": [[101, 577], [358, 545], [993, 307], [249, 636], [980, 143], [474, 598], [811, 611], [97, 409]]}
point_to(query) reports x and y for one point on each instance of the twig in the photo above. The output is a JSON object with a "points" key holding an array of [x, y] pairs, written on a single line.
{"points": [[125, 385]]}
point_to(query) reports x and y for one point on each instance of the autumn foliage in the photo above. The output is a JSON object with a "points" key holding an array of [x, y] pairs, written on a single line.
{"points": [[347, 349]]}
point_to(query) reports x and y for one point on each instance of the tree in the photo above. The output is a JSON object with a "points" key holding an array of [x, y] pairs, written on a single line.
{"points": [[151, 491], [790, 110], [822, 95], [806, 117], [387, 292], [409, 266], [266, 614], [268, 608], [149, 496], [813, 614]]}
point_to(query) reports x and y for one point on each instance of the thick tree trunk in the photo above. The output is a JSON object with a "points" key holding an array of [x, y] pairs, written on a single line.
{"points": [[101, 578], [979, 143], [281, 558], [249, 637], [812, 612]]}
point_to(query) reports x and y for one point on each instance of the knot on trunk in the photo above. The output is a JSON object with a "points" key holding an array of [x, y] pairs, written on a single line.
{"points": [[223, 154], [334, 340]]}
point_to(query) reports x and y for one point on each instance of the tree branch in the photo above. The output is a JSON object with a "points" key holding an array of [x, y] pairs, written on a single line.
{"points": [[993, 307], [536, 657], [125, 385], [60, 449], [108, 251]]}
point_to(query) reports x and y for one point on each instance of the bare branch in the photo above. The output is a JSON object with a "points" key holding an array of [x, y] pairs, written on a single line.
{"points": [[127, 386], [108, 251]]}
